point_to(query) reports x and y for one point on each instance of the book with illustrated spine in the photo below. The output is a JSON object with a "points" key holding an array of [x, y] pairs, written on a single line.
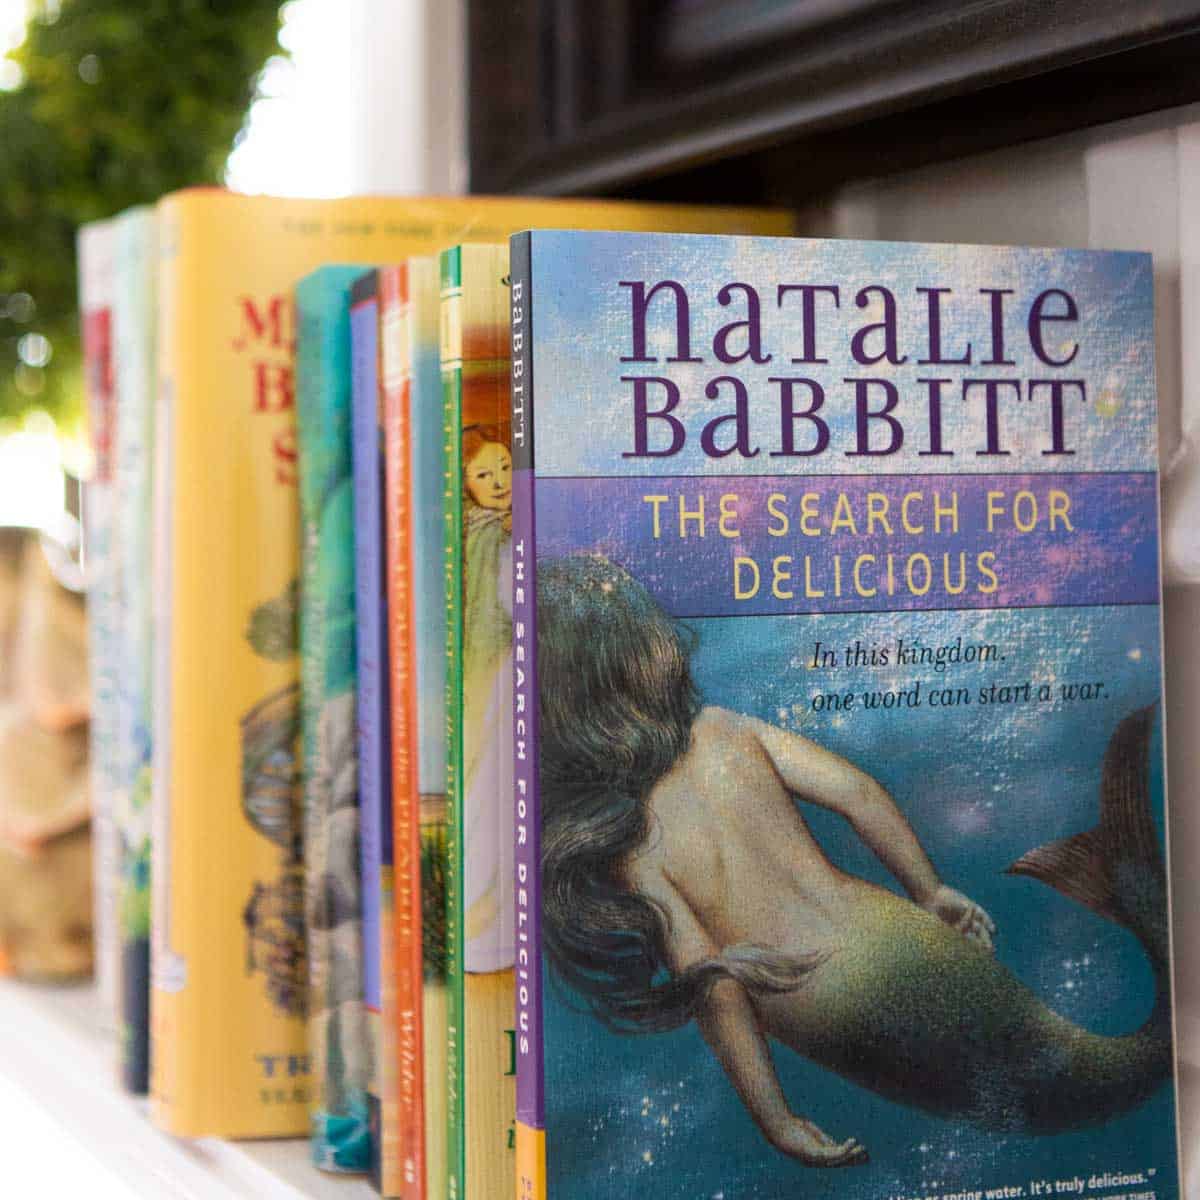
{"points": [[839, 826], [334, 909], [375, 751], [479, 903], [417, 608], [97, 252], [134, 321], [229, 1052]]}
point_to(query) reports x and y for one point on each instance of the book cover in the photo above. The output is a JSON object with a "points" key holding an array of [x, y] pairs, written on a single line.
{"points": [[417, 605], [228, 1026], [329, 722], [477, 536], [134, 321], [97, 250], [374, 729], [840, 797]]}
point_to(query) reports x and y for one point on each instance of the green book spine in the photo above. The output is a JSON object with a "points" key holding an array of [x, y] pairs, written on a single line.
{"points": [[478, 529], [451, 353], [338, 1037]]}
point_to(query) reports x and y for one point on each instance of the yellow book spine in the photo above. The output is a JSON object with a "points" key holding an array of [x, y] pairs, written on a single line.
{"points": [[230, 1051]]}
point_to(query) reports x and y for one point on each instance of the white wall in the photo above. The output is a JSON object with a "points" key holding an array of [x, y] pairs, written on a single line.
{"points": [[412, 134]]}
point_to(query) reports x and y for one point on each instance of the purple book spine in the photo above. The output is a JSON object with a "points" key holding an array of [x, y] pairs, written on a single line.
{"points": [[527, 823], [374, 753]]}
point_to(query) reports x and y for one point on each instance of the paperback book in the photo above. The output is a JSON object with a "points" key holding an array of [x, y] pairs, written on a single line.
{"points": [[374, 735], [839, 801], [134, 320], [479, 906], [333, 880], [415, 481]]}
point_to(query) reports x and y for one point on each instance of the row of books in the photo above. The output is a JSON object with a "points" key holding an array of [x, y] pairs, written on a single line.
{"points": [[528, 614], [281, 722]]}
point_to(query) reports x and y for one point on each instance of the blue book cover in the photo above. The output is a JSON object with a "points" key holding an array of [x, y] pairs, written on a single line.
{"points": [[338, 1039], [374, 726], [840, 802]]}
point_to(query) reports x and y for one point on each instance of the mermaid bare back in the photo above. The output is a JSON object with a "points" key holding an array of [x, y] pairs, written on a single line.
{"points": [[912, 1010]]}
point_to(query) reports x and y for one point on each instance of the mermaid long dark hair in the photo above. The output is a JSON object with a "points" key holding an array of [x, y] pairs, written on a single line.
{"points": [[617, 703]]}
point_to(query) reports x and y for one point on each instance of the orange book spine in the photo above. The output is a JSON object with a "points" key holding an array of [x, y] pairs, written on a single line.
{"points": [[406, 978]]}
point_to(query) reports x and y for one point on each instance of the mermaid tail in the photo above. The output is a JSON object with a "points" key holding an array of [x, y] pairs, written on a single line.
{"points": [[1117, 870], [915, 1012]]}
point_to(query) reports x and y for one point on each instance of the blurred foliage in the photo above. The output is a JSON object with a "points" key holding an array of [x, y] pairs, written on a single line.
{"points": [[120, 101]]}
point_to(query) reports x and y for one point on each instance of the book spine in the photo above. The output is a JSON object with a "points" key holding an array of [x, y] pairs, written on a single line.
{"points": [[167, 969], [97, 252], [374, 764], [328, 714], [228, 1054], [450, 342], [424, 485], [404, 1029], [134, 327], [531, 1126]]}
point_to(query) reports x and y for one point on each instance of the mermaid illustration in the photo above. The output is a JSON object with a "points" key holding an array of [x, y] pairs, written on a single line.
{"points": [[487, 686], [681, 882]]}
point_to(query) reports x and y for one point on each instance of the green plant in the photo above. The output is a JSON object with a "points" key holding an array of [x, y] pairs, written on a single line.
{"points": [[120, 101]]}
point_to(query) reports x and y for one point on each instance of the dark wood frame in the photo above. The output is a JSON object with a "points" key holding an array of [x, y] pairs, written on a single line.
{"points": [[778, 100]]}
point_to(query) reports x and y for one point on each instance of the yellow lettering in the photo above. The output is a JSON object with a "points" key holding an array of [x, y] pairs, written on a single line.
{"points": [[941, 510], [809, 512], [741, 592], [779, 574], [994, 509], [774, 501], [843, 515], [655, 501], [1060, 509], [728, 514], [909, 525], [859, 586], [877, 510]]}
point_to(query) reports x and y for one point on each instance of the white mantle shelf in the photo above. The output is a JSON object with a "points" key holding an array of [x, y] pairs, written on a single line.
{"points": [[54, 1052]]}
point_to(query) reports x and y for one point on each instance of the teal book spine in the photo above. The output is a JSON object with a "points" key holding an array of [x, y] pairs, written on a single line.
{"points": [[135, 322], [338, 1035]]}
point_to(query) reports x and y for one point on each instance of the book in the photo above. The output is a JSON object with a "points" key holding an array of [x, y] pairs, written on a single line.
{"points": [[839, 797], [414, 458], [479, 908], [134, 322], [229, 1051], [374, 730], [96, 249], [334, 908]]}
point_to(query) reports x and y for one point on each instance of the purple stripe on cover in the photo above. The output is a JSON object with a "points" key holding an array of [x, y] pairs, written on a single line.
{"points": [[374, 748], [744, 546], [527, 817]]}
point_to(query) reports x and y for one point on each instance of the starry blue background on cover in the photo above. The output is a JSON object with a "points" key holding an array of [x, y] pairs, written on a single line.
{"points": [[980, 785], [654, 1116]]}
